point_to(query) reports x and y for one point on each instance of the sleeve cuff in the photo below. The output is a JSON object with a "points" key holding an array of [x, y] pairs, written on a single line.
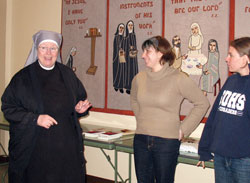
{"points": [[205, 156]]}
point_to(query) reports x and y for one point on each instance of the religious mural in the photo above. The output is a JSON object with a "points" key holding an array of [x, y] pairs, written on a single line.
{"points": [[204, 42], [108, 43]]}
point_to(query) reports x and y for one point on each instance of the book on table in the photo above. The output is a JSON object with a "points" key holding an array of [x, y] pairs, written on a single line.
{"points": [[93, 133], [109, 135], [106, 133]]}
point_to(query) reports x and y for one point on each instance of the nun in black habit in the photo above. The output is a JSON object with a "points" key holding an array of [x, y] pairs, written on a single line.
{"points": [[119, 60], [42, 103], [131, 55]]}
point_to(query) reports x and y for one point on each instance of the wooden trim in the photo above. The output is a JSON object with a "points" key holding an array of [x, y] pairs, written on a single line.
{"points": [[93, 179]]}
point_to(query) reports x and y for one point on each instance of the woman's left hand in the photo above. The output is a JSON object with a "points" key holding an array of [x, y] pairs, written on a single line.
{"points": [[82, 106], [181, 135]]}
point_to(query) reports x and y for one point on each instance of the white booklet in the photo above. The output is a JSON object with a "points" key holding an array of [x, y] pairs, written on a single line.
{"points": [[109, 135], [93, 133]]}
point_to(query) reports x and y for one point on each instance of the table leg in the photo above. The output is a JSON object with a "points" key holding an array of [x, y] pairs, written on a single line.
{"points": [[129, 166], [116, 166], [113, 166]]}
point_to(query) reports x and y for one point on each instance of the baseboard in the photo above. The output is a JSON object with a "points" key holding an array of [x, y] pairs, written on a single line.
{"points": [[94, 179]]}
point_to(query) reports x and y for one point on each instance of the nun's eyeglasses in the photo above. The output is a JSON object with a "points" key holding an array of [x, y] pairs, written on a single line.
{"points": [[44, 49]]}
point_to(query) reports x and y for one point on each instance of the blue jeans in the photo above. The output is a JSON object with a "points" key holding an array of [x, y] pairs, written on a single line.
{"points": [[231, 170], [155, 158]]}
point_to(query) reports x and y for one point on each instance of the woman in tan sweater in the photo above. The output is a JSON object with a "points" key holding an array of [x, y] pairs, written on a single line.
{"points": [[156, 97]]}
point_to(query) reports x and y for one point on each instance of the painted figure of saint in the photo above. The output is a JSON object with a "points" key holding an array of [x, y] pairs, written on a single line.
{"points": [[69, 60], [195, 40], [192, 65], [210, 71], [176, 41], [119, 60], [131, 55]]}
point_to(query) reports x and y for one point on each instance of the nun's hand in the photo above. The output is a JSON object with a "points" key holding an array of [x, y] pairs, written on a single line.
{"points": [[82, 106], [46, 121]]}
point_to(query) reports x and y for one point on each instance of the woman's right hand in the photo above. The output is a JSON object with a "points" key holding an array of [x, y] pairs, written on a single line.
{"points": [[46, 121], [202, 163]]}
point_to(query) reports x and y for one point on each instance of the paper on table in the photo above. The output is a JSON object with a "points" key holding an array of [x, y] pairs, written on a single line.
{"points": [[109, 135], [189, 145], [93, 133]]}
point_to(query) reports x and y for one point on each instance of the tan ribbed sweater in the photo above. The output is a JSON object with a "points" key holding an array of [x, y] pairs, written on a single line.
{"points": [[156, 99]]}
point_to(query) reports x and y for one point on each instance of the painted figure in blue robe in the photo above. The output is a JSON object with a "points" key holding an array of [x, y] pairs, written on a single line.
{"points": [[210, 71]]}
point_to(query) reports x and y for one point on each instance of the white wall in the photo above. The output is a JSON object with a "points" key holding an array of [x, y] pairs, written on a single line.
{"points": [[2, 54], [2, 42], [21, 20]]}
